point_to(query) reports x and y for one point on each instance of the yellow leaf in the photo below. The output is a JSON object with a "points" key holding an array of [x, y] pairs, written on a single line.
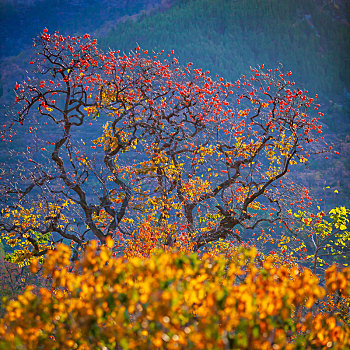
{"points": [[109, 242]]}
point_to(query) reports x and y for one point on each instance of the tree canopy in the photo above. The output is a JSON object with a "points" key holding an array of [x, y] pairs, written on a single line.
{"points": [[114, 141]]}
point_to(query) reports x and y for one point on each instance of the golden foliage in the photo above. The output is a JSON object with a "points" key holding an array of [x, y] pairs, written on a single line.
{"points": [[173, 300]]}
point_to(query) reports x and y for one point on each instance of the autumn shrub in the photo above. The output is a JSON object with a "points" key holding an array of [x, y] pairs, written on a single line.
{"points": [[173, 300]]}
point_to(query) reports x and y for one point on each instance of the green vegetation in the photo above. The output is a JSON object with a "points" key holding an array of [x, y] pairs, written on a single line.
{"points": [[311, 38], [226, 37]]}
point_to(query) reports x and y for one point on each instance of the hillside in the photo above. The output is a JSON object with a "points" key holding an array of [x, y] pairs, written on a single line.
{"points": [[227, 37], [311, 38], [22, 20]]}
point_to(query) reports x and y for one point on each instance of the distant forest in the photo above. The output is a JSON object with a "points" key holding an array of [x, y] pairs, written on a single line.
{"points": [[311, 38]]}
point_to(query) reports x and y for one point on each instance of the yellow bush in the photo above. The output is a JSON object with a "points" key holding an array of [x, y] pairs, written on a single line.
{"points": [[172, 300]]}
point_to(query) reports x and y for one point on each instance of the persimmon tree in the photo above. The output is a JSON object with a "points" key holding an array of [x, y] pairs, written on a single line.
{"points": [[116, 141]]}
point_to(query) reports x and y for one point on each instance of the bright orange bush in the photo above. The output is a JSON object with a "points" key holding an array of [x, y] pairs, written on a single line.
{"points": [[173, 300]]}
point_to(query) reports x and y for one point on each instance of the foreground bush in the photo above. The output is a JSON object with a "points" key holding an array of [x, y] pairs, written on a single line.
{"points": [[174, 301]]}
